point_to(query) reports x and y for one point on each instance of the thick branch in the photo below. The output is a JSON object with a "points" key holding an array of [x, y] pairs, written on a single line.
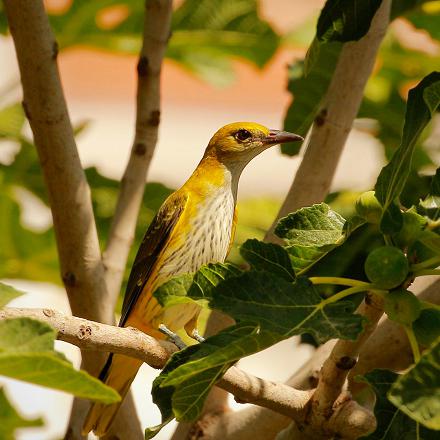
{"points": [[69, 193], [341, 360], [245, 387], [82, 270], [91, 335], [335, 119], [155, 38]]}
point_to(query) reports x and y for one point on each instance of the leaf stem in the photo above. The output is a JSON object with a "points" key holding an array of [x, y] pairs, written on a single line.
{"points": [[429, 305], [413, 342], [426, 264], [388, 240], [344, 293], [339, 281], [421, 273]]}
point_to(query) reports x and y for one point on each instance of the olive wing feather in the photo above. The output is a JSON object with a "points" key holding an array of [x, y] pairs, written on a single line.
{"points": [[153, 243]]}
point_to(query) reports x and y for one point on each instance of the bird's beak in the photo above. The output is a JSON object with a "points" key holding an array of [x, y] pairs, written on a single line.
{"points": [[281, 137]]}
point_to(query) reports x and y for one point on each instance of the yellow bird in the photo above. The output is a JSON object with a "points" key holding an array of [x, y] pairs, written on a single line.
{"points": [[194, 226]]}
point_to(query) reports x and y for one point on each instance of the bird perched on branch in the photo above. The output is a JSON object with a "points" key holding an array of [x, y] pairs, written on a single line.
{"points": [[193, 227]]}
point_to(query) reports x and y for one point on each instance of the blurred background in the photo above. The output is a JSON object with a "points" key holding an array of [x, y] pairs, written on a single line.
{"points": [[227, 61]]}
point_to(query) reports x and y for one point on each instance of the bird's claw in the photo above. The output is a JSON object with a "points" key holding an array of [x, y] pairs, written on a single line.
{"points": [[195, 335], [175, 339]]}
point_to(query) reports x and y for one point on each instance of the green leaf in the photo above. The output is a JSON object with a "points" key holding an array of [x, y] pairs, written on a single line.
{"points": [[392, 219], [392, 424], [268, 309], [431, 240], [341, 21], [269, 257], [427, 327], [185, 398], [24, 335], [220, 29], [196, 287], [422, 101], [312, 232], [427, 18], [430, 205], [317, 225], [285, 308], [26, 353], [346, 20], [10, 420], [417, 393], [308, 88], [7, 294], [206, 34], [11, 120]]}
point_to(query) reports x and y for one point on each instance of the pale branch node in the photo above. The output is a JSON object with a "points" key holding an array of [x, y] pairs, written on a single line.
{"points": [[79, 252], [245, 387], [333, 122], [156, 33]]}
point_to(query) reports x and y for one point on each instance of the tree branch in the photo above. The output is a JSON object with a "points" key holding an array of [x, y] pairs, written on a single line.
{"points": [[335, 119], [44, 104], [246, 388], [91, 335], [341, 360], [155, 37]]}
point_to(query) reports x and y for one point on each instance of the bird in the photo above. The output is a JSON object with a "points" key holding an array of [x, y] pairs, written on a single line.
{"points": [[193, 227]]}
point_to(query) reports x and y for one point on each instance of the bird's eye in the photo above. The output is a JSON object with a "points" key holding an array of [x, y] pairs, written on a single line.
{"points": [[242, 135]]}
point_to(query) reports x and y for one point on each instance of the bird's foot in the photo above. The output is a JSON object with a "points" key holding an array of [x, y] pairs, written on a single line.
{"points": [[195, 335], [175, 339]]}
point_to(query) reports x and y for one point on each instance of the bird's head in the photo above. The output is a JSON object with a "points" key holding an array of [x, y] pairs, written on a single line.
{"points": [[240, 142]]}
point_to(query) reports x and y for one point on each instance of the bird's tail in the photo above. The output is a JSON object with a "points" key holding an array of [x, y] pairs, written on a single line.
{"points": [[118, 372]]}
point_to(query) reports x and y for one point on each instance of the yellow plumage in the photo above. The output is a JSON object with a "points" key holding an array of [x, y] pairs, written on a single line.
{"points": [[193, 227]]}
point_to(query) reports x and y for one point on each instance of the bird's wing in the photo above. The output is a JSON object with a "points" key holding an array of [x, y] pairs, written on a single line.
{"points": [[154, 242]]}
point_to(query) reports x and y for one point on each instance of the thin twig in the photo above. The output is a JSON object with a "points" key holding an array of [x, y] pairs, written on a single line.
{"points": [[335, 119], [155, 37]]}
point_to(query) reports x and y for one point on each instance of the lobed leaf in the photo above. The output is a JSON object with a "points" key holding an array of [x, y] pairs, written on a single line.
{"points": [[392, 424], [427, 326], [417, 392], [285, 308], [269, 257], [310, 233], [267, 309], [308, 84], [346, 20], [10, 419], [422, 102], [196, 287], [7, 294], [316, 225]]}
